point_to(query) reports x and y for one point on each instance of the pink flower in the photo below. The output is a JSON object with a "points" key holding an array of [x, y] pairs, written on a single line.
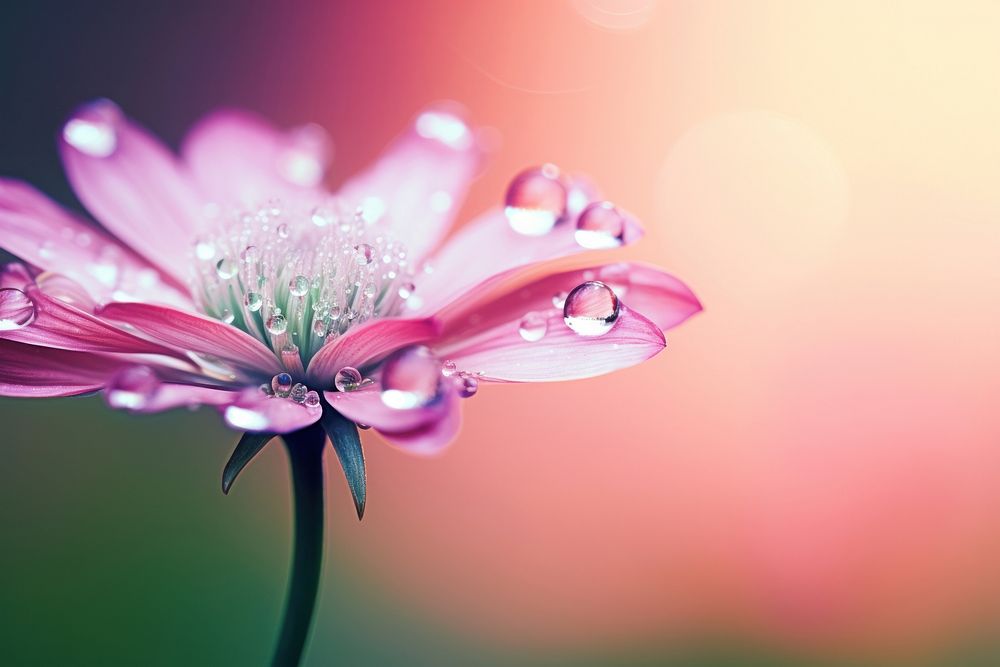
{"points": [[230, 277]]}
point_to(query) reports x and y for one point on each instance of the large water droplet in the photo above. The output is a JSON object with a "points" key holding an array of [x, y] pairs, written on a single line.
{"points": [[411, 378], [364, 253], [312, 399], [226, 268], [92, 131], [281, 384], [319, 327], [533, 327], [536, 201], [591, 309], [132, 388], [449, 368], [276, 324], [17, 310], [347, 379], [600, 226], [253, 301], [227, 316], [298, 392], [298, 285], [467, 386]]}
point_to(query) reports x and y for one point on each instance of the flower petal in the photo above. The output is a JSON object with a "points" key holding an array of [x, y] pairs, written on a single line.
{"points": [[659, 296], [195, 333], [368, 343], [239, 157], [40, 232], [34, 372], [133, 185], [61, 325], [489, 249], [256, 412], [501, 354], [169, 396], [419, 182]]}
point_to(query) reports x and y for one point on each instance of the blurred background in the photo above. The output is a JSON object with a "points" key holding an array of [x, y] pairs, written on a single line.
{"points": [[807, 476]]}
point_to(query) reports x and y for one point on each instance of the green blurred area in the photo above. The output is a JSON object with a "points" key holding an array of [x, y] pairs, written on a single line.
{"points": [[120, 549]]}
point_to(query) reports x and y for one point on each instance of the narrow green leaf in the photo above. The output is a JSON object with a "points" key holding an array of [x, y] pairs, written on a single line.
{"points": [[247, 448], [346, 442]]}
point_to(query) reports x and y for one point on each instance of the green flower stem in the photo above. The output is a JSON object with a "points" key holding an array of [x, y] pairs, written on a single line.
{"points": [[305, 453]]}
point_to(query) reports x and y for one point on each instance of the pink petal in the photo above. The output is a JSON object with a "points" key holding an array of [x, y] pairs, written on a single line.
{"points": [[169, 396], [419, 430], [366, 344], [195, 333], [418, 184], [239, 157], [487, 248], [133, 185], [40, 232], [502, 354], [659, 296], [253, 411], [30, 371], [61, 325]]}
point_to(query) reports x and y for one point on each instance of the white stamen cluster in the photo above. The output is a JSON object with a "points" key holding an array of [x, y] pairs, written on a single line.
{"points": [[297, 277]]}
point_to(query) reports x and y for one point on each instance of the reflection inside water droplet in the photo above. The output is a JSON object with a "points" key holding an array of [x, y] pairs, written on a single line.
{"points": [[591, 309]]}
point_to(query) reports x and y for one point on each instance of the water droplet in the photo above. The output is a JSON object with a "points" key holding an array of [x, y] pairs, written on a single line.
{"points": [[533, 327], [449, 368], [467, 386], [445, 127], [591, 309], [311, 399], [245, 418], [369, 290], [249, 255], [276, 324], [364, 254], [226, 268], [298, 285], [283, 231], [132, 388], [227, 316], [319, 327], [298, 392], [266, 390], [406, 290], [411, 378], [322, 216], [347, 379], [559, 299], [600, 226], [253, 301], [204, 250], [536, 201], [92, 131], [363, 427], [17, 310], [281, 384]]}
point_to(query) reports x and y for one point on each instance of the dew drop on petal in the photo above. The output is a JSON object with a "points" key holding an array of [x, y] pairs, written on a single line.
{"points": [[600, 226], [535, 201], [250, 254], [17, 310], [276, 324], [281, 384], [533, 327], [467, 386], [298, 392], [298, 285], [253, 301], [92, 131], [406, 290], [311, 399], [226, 268], [347, 378], [319, 327], [411, 378], [132, 388], [449, 368], [283, 231], [364, 254], [227, 316], [591, 309]]}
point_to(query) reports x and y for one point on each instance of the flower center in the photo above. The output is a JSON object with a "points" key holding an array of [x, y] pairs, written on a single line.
{"points": [[296, 277]]}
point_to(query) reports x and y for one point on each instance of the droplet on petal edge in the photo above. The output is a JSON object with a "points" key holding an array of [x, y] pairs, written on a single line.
{"points": [[298, 393], [132, 388], [17, 310], [600, 226], [591, 309], [348, 378], [411, 378], [281, 384], [467, 386], [536, 201], [93, 130]]}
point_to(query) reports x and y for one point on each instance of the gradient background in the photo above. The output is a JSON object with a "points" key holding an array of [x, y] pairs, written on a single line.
{"points": [[807, 476]]}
